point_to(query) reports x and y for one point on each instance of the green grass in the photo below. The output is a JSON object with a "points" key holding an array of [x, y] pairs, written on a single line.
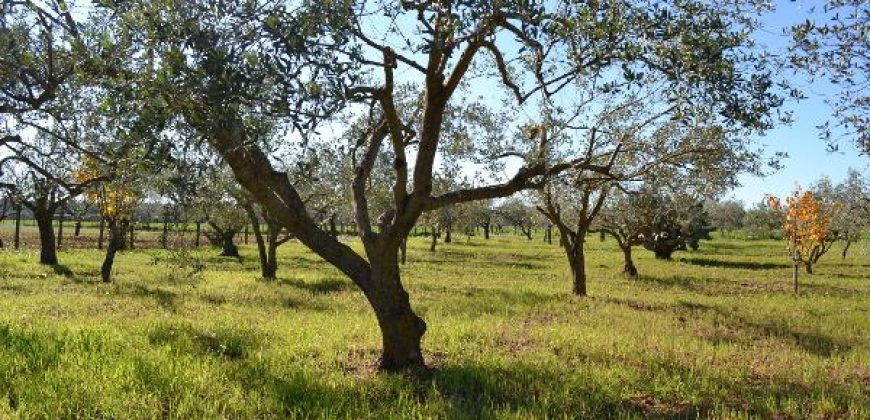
{"points": [[714, 333]]}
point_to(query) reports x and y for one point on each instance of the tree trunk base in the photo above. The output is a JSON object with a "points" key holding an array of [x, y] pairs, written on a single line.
{"points": [[402, 335], [230, 251]]}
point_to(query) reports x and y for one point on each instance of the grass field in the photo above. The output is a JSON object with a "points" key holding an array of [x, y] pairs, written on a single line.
{"points": [[714, 333]]}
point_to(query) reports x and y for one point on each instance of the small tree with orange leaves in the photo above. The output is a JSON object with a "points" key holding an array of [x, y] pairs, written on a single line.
{"points": [[116, 200], [806, 227]]}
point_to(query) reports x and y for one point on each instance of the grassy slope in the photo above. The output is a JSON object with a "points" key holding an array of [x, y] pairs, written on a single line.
{"points": [[714, 333]]}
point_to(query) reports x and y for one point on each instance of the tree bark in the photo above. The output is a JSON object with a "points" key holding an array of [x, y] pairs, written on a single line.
{"points": [[116, 240], [577, 260], [401, 329], [47, 249], [165, 237], [794, 273], [60, 221], [486, 230], [628, 268], [448, 238], [18, 226], [808, 267], [332, 227], [102, 233], [78, 228], [434, 242], [228, 248], [266, 252], [377, 276], [271, 271], [846, 248], [198, 233], [527, 232], [573, 244]]}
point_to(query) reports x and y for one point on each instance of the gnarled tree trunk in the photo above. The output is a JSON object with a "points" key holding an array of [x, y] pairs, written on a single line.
{"points": [[117, 237], [577, 261], [434, 243], [47, 249], [401, 329], [228, 247], [628, 268]]}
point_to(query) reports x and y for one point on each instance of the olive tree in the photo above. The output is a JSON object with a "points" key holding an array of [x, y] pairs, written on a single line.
{"points": [[217, 65], [38, 42], [727, 216], [833, 44], [852, 218]]}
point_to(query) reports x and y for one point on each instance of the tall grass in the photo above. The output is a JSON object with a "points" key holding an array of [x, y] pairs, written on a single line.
{"points": [[714, 333]]}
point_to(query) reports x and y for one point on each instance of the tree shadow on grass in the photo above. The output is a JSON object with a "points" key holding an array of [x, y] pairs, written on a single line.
{"points": [[165, 299], [474, 390], [321, 286], [743, 265], [682, 282], [815, 343], [734, 328], [62, 270], [230, 343], [15, 289], [268, 300]]}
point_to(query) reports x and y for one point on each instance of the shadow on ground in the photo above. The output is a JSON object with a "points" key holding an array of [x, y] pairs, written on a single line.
{"points": [[742, 265]]}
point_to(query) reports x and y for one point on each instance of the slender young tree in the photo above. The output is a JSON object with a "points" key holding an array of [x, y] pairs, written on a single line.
{"points": [[806, 226], [116, 201]]}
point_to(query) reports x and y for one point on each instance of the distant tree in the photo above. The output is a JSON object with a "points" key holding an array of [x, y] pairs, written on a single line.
{"points": [[39, 174], [518, 213], [806, 226], [679, 222], [440, 224], [474, 215], [852, 197], [762, 221], [267, 233], [572, 209], [627, 217], [79, 210], [219, 204], [727, 216]]}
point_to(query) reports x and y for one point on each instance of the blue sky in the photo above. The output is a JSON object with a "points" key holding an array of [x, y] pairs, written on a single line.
{"points": [[809, 160]]}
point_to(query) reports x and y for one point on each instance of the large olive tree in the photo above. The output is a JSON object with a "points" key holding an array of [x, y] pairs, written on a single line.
{"points": [[217, 64]]}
